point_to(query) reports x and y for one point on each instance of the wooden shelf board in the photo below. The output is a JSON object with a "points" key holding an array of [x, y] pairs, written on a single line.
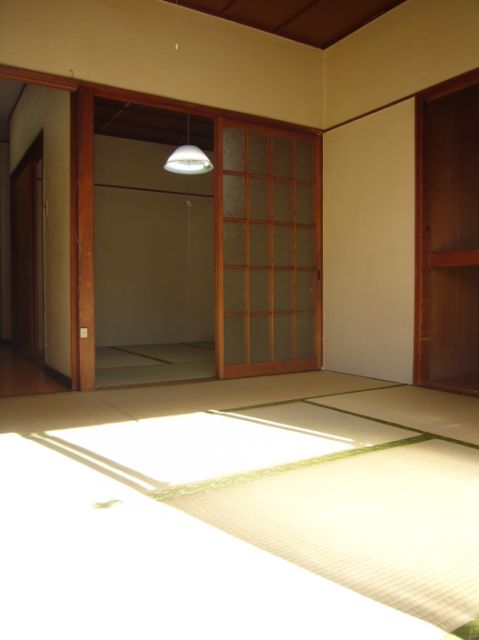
{"points": [[462, 258]]}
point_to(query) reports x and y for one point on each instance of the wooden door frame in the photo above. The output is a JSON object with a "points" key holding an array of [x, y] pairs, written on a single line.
{"points": [[85, 209], [82, 205], [219, 252], [425, 260]]}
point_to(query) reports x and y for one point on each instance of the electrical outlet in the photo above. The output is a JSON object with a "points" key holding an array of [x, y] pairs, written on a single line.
{"points": [[83, 332]]}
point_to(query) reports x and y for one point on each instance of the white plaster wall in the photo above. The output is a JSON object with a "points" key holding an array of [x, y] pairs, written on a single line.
{"points": [[154, 253], [49, 110], [5, 302], [414, 46], [369, 245], [131, 44]]}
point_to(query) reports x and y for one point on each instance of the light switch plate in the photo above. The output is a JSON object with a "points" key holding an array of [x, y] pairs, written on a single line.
{"points": [[83, 332]]}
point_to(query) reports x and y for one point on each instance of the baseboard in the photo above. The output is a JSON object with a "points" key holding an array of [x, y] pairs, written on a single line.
{"points": [[59, 377]]}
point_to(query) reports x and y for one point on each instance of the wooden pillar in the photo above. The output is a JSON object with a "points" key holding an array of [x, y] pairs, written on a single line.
{"points": [[85, 325]]}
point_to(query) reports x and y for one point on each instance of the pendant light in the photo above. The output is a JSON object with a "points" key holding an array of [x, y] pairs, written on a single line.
{"points": [[188, 159]]}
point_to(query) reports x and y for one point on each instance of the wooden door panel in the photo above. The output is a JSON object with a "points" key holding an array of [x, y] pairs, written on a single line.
{"points": [[23, 260]]}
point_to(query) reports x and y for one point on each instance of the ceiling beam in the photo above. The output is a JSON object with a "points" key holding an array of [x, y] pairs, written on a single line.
{"points": [[226, 7]]}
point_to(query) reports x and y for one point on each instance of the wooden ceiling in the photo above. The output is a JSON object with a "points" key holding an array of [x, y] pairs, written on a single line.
{"points": [[319, 23], [127, 120]]}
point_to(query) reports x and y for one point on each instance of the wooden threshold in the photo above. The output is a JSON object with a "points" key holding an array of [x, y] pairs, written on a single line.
{"points": [[269, 368], [467, 385]]}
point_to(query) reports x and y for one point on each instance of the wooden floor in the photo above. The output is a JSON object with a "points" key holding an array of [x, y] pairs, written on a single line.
{"points": [[19, 376], [462, 384]]}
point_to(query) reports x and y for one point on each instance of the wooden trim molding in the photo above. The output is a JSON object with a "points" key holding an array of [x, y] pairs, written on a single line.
{"points": [[59, 377], [219, 249], [150, 100], [116, 93], [38, 77], [451, 85], [429, 93]]}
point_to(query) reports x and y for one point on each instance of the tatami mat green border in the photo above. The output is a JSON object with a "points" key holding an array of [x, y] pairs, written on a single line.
{"points": [[469, 631], [388, 423], [241, 478], [309, 400], [306, 398], [141, 355]]}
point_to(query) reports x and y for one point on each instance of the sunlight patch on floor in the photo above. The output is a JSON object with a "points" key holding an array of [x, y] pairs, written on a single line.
{"points": [[322, 421], [140, 569], [198, 446]]}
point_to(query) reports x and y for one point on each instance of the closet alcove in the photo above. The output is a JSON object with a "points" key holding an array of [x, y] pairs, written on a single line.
{"points": [[447, 335]]}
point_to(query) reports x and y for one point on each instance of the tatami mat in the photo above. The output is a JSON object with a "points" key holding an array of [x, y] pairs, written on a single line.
{"points": [[336, 547], [63, 410], [34, 413], [399, 526], [226, 394], [153, 372], [174, 353], [205, 344], [83, 556], [446, 414], [107, 357], [325, 423], [177, 450]]}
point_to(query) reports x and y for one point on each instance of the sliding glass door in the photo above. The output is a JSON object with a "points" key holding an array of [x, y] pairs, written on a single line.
{"points": [[268, 230]]}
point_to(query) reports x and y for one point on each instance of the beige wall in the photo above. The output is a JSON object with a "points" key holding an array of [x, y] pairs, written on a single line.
{"points": [[369, 245], [49, 110], [5, 307], [369, 165], [154, 254], [414, 46], [369, 182], [132, 44]]}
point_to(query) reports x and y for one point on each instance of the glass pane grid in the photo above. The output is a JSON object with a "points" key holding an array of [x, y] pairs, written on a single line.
{"points": [[278, 246], [282, 156], [234, 243], [233, 287], [305, 348], [233, 149], [233, 196], [258, 198], [259, 332]]}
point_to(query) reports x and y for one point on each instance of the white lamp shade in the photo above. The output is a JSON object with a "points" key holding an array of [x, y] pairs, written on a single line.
{"points": [[188, 159]]}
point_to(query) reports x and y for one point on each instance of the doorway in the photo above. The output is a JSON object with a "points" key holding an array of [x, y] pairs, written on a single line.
{"points": [[284, 335], [34, 236], [154, 249]]}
